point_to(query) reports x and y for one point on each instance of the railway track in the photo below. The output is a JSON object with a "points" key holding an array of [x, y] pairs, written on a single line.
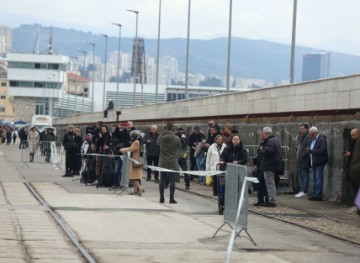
{"points": [[86, 255]]}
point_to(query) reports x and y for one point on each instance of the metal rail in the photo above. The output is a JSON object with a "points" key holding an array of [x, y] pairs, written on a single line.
{"points": [[62, 225]]}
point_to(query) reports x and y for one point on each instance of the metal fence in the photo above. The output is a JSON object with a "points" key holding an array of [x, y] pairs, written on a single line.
{"points": [[42, 153], [252, 151], [235, 185]]}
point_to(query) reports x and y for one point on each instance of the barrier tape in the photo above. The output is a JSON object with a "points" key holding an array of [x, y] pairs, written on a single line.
{"points": [[160, 169]]}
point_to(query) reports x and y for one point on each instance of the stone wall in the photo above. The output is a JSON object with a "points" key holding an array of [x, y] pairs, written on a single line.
{"points": [[24, 108]]}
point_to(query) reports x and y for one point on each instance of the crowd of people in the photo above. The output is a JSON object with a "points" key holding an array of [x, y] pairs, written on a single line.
{"points": [[173, 149]]}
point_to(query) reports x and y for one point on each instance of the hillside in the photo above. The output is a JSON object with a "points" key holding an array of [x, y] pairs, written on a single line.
{"points": [[250, 58]]}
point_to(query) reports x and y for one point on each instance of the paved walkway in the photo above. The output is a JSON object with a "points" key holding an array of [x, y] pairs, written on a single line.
{"points": [[116, 228]]}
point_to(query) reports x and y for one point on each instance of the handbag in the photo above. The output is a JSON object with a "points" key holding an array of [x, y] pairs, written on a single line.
{"points": [[138, 162]]}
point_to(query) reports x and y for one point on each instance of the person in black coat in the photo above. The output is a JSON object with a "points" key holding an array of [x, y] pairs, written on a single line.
{"points": [[235, 152], [303, 159], [70, 148], [270, 152]]}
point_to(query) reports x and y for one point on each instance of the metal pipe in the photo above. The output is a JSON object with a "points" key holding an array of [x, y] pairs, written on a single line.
{"points": [[228, 69], [187, 53], [104, 88], [158, 56], [93, 77], [118, 66], [293, 44], [136, 51]]}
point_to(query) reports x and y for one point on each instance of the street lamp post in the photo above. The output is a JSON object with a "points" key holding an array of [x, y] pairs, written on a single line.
{"points": [[187, 53], [106, 37], [229, 51], [118, 66], [84, 53], [292, 63], [136, 49], [158, 56], [93, 76]]}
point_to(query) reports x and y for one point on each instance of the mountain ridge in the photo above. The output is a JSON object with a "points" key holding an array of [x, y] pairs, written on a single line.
{"points": [[256, 59]]}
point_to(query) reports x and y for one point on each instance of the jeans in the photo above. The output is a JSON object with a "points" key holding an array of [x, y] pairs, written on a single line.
{"points": [[117, 175], [318, 180], [304, 174], [200, 163], [171, 178], [270, 185], [152, 160]]}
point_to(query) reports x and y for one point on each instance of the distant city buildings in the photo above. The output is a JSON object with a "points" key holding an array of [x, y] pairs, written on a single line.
{"points": [[316, 66], [6, 39]]}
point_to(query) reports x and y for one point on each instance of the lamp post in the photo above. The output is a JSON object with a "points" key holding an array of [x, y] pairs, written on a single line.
{"points": [[229, 51], [93, 76], [104, 104], [118, 65], [187, 53], [136, 50], [292, 62], [158, 56], [84, 53]]}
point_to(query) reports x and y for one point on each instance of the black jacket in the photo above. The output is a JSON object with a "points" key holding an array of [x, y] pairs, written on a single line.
{"points": [[270, 153], [69, 142], [234, 153], [319, 152], [152, 148], [303, 159]]}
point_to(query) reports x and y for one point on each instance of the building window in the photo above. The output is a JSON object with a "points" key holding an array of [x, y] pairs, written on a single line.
{"points": [[2, 109], [26, 84], [3, 84], [40, 66], [14, 83], [12, 64], [3, 96], [26, 65], [39, 84], [53, 66]]}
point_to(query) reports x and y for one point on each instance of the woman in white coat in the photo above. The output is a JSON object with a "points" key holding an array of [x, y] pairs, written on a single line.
{"points": [[213, 158]]}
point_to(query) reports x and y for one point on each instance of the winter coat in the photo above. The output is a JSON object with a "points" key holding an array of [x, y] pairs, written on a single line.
{"points": [[135, 172], [33, 140], [234, 153], [303, 159], [355, 163], [169, 147], [152, 148], [69, 142], [319, 152], [213, 156], [270, 153]]}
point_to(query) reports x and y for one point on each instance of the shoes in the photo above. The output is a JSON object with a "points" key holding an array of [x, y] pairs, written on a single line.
{"points": [[148, 179], [161, 200], [187, 187], [156, 179], [68, 175], [352, 209], [315, 198], [258, 204], [269, 204], [172, 201], [300, 194], [114, 187]]}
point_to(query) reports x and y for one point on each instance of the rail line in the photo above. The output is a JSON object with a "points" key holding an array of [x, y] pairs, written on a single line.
{"points": [[62, 225]]}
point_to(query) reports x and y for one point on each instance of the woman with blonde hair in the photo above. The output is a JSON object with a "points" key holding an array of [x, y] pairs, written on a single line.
{"points": [[135, 172]]}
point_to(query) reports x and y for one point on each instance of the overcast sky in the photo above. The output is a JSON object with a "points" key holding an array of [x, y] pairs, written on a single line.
{"points": [[326, 24]]}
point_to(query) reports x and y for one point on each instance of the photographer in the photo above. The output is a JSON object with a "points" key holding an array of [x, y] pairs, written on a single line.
{"points": [[118, 141], [183, 155]]}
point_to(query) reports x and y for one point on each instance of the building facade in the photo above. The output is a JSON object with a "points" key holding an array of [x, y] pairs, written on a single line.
{"points": [[316, 66]]}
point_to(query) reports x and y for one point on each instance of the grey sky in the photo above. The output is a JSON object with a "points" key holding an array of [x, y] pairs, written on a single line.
{"points": [[326, 24]]}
